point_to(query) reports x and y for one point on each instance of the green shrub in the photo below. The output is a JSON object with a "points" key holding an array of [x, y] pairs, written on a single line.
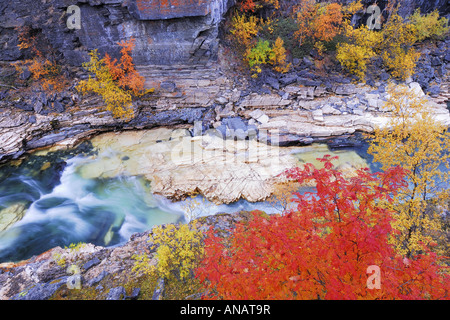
{"points": [[259, 55]]}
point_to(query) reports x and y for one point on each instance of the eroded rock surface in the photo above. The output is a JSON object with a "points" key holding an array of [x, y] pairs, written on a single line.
{"points": [[222, 170]]}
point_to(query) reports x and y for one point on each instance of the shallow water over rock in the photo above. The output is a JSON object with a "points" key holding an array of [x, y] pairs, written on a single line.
{"points": [[118, 184]]}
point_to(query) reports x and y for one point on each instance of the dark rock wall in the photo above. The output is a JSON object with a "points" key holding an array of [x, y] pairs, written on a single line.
{"points": [[166, 31]]}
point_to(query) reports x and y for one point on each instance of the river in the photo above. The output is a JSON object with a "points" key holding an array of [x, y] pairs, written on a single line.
{"points": [[48, 200]]}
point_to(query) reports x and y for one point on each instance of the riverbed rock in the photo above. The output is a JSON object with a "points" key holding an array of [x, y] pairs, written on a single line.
{"points": [[416, 89], [177, 164], [11, 214]]}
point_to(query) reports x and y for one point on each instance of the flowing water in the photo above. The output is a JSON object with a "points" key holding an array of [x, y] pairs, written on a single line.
{"points": [[46, 202]]}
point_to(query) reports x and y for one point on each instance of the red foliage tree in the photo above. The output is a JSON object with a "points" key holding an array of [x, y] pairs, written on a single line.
{"points": [[324, 248]]}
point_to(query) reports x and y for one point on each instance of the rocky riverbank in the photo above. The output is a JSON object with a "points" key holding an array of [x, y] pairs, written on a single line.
{"points": [[197, 81], [299, 106], [93, 272]]}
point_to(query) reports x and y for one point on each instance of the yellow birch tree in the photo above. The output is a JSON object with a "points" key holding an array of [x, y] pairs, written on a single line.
{"points": [[418, 142]]}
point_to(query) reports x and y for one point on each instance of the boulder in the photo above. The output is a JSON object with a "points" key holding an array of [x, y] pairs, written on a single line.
{"points": [[317, 115], [271, 81], [259, 116], [345, 89], [117, 293], [447, 56], [434, 91], [416, 89], [288, 79], [384, 76], [327, 109]]}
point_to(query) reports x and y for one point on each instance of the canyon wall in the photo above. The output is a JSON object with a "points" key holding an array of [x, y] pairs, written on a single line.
{"points": [[166, 31]]}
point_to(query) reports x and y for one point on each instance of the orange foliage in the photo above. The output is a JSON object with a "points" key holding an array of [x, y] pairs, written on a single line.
{"points": [[123, 71], [251, 6], [327, 24], [318, 22], [44, 71], [324, 249], [26, 39], [115, 81]]}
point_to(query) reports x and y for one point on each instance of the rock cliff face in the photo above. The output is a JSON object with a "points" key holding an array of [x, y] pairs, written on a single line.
{"points": [[166, 32]]}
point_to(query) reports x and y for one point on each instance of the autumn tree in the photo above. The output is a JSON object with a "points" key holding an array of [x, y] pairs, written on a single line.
{"points": [[324, 248], [396, 47], [177, 251], [357, 52], [44, 69], [318, 22], [429, 25], [419, 143], [394, 43], [244, 29], [123, 71], [115, 81], [278, 59]]}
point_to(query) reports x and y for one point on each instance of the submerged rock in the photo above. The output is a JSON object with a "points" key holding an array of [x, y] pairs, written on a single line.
{"points": [[11, 214], [222, 170]]}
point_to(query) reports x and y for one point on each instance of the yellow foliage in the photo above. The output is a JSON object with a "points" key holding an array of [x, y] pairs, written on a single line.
{"points": [[115, 81], [396, 47], [179, 249], [420, 144], [352, 8], [117, 100], [244, 29], [401, 62], [357, 53], [429, 25], [274, 3], [278, 59], [393, 44]]}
